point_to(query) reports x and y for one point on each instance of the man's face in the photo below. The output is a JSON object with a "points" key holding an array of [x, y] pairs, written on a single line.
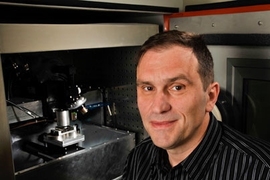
{"points": [[172, 102]]}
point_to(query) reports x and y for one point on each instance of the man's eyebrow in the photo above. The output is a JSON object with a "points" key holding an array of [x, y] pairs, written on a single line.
{"points": [[170, 80], [139, 82], [179, 77]]}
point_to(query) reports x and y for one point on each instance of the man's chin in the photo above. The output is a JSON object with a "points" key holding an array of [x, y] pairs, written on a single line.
{"points": [[161, 143]]}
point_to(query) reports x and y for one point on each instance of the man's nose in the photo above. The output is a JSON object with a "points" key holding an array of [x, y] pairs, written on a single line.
{"points": [[160, 103]]}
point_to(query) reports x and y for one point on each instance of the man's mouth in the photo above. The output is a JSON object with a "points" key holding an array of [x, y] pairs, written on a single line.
{"points": [[162, 124]]}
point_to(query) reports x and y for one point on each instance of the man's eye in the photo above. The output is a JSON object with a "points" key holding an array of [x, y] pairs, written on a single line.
{"points": [[148, 88], [177, 88]]}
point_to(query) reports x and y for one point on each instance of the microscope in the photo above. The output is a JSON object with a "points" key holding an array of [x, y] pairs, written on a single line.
{"points": [[65, 134], [67, 102]]}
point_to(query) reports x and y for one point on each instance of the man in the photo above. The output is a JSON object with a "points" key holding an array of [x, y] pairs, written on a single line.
{"points": [[176, 93]]}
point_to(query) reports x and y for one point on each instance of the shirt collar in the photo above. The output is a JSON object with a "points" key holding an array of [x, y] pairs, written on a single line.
{"points": [[200, 159]]}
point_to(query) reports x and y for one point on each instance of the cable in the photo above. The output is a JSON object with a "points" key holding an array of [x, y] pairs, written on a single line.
{"points": [[25, 110]]}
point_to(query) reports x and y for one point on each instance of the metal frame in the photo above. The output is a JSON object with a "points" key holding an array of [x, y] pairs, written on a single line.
{"points": [[6, 165]]}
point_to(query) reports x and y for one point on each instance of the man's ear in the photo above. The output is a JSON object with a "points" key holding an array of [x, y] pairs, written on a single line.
{"points": [[213, 92]]}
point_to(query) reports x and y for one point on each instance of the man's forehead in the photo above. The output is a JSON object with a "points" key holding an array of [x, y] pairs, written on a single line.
{"points": [[164, 47]]}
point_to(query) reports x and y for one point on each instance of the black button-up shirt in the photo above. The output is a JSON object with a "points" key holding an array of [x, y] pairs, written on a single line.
{"points": [[223, 154]]}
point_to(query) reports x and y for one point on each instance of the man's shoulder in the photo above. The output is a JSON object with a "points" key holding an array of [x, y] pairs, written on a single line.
{"points": [[140, 160], [247, 145], [144, 152]]}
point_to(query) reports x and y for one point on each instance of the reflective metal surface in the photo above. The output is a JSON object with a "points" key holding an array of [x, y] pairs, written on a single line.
{"points": [[102, 156]]}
